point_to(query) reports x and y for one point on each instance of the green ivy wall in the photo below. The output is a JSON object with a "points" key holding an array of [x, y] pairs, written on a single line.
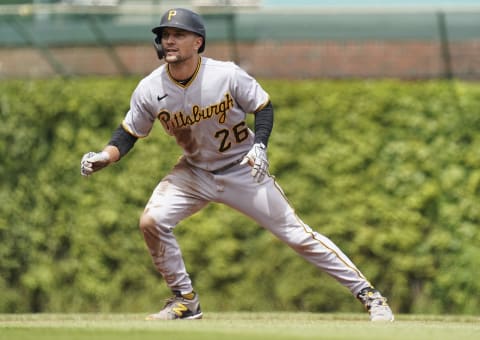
{"points": [[389, 170]]}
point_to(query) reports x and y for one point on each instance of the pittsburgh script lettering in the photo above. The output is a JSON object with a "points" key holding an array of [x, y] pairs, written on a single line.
{"points": [[178, 120]]}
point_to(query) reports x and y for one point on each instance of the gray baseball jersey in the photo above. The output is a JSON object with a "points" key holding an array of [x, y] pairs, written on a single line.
{"points": [[207, 117]]}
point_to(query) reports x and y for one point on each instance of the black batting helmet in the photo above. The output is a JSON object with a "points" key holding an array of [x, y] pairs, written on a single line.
{"points": [[184, 19]]}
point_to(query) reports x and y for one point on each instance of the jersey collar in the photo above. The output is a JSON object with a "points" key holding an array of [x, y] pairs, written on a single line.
{"points": [[191, 79]]}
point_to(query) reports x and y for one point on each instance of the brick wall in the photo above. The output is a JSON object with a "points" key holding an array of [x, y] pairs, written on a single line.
{"points": [[265, 59]]}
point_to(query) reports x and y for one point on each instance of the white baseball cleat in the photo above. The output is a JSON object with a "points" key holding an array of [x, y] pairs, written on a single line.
{"points": [[375, 304]]}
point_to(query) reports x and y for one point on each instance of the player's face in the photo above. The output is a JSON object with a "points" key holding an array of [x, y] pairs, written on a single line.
{"points": [[179, 45]]}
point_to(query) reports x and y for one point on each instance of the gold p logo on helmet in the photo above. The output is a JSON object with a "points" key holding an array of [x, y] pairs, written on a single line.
{"points": [[171, 14]]}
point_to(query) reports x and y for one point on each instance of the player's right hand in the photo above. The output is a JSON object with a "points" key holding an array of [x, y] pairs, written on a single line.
{"points": [[93, 161]]}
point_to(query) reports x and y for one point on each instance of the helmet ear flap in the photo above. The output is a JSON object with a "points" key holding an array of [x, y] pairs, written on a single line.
{"points": [[157, 43]]}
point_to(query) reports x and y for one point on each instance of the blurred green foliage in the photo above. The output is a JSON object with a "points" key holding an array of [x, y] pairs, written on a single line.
{"points": [[389, 170]]}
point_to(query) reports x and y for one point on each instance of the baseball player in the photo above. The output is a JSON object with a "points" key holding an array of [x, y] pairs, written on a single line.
{"points": [[203, 104]]}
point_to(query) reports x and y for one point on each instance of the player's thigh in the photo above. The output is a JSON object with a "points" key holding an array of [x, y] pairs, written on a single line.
{"points": [[174, 199], [264, 202], [267, 205]]}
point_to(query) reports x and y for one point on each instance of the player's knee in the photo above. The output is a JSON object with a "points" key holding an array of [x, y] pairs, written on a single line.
{"points": [[153, 226], [147, 223]]}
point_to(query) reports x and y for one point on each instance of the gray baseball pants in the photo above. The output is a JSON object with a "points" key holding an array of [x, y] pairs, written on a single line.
{"points": [[187, 189]]}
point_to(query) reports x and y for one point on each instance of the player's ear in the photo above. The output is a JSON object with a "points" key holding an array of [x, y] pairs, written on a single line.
{"points": [[198, 42]]}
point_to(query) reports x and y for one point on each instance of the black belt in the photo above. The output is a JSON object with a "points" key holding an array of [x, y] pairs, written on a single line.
{"points": [[226, 167]]}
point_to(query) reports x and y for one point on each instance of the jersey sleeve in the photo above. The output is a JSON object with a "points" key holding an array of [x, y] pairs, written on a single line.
{"points": [[247, 92], [140, 117]]}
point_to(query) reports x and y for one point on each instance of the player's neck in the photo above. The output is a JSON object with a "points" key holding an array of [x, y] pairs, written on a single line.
{"points": [[184, 70]]}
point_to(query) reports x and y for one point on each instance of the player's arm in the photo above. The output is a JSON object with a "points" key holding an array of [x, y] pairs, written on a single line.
{"points": [[119, 145], [263, 124], [257, 156], [122, 141]]}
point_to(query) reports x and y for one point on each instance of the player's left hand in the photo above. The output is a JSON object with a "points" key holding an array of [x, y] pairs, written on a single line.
{"points": [[257, 159]]}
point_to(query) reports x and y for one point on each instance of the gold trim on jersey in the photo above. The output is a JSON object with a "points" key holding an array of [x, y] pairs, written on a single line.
{"points": [[191, 79], [263, 105], [127, 128]]}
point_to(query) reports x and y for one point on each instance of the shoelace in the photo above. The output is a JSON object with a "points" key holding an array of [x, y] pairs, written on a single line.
{"points": [[370, 299], [376, 301], [170, 300]]}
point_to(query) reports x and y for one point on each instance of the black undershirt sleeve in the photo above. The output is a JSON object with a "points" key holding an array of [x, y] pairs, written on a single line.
{"points": [[122, 140], [264, 124]]}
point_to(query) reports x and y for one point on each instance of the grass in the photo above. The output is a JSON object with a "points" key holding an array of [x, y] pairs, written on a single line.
{"points": [[236, 326]]}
